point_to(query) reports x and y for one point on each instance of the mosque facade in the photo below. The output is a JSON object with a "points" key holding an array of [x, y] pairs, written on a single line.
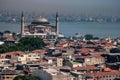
{"points": [[40, 27]]}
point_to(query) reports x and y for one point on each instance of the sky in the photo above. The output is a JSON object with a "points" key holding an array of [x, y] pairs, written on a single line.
{"points": [[104, 7]]}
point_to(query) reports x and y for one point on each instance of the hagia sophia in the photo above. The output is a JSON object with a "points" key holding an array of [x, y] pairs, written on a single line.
{"points": [[40, 27]]}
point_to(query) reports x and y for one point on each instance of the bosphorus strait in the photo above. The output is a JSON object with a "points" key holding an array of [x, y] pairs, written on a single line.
{"points": [[70, 29]]}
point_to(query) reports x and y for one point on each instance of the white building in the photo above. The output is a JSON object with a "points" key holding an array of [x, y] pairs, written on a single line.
{"points": [[26, 58], [5, 63], [59, 62], [52, 74]]}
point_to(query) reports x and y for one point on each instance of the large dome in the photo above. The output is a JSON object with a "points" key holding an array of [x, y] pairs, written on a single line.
{"points": [[41, 19]]}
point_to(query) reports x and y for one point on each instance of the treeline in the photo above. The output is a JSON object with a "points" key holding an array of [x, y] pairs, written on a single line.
{"points": [[115, 50], [26, 77], [25, 44], [90, 37]]}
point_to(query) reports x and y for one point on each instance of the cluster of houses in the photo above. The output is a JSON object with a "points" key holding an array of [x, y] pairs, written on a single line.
{"points": [[66, 59]]}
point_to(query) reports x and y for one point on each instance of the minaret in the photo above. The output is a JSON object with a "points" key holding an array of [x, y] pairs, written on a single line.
{"points": [[57, 24], [22, 25]]}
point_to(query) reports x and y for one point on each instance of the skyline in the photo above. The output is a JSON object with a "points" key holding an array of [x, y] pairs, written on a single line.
{"points": [[92, 7]]}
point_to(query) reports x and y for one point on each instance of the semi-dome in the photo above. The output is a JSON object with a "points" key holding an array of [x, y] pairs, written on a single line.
{"points": [[40, 21]]}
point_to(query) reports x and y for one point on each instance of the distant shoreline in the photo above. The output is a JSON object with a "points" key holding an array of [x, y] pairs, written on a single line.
{"points": [[71, 28]]}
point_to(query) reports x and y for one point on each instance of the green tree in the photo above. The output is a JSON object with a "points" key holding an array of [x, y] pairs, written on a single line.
{"points": [[96, 38], [88, 36], [32, 42], [13, 33], [25, 44], [26, 77], [7, 31], [115, 50], [3, 48]]}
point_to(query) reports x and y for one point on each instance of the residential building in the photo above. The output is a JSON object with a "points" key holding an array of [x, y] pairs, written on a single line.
{"points": [[8, 75], [59, 62], [107, 74], [52, 74], [28, 57]]}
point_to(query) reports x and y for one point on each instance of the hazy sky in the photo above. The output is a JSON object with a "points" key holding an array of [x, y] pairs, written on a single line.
{"points": [[110, 7]]}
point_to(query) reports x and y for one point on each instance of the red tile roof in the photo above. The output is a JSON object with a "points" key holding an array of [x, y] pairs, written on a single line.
{"points": [[40, 51], [108, 44], [107, 70], [78, 56], [84, 50], [14, 53], [85, 67], [112, 72]]}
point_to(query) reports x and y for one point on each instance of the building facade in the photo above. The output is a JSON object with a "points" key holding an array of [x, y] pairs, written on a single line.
{"points": [[8, 75], [52, 74], [40, 27]]}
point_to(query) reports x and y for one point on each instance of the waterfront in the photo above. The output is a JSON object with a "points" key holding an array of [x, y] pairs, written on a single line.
{"points": [[70, 29]]}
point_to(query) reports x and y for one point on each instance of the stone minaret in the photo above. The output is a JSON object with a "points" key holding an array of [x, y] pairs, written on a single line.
{"points": [[22, 25], [57, 25]]}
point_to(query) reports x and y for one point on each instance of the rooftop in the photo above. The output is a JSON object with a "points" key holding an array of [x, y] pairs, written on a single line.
{"points": [[85, 67], [9, 72], [112, 72]]}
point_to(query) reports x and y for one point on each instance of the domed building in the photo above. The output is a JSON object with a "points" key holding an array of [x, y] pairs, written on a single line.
{"points": [[40, 27]]}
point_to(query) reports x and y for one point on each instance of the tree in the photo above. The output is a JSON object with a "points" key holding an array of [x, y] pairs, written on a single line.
{"points": [[115, 50], [13, 33], [117, 79], [7, 31], [96, 38], [89, 42], [3, 48], [30, 42], [25, 44], [26, 77], [88, 36]]}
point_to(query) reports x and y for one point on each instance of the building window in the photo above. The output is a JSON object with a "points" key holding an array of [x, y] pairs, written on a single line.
{"points": [[106, 76], [29, 55], [28, 59], [34, 55], [100, 76], [7, 77], [22, 56], [103, 76], [116, 75], [113, 76], [3, 77], [19, 59]]}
